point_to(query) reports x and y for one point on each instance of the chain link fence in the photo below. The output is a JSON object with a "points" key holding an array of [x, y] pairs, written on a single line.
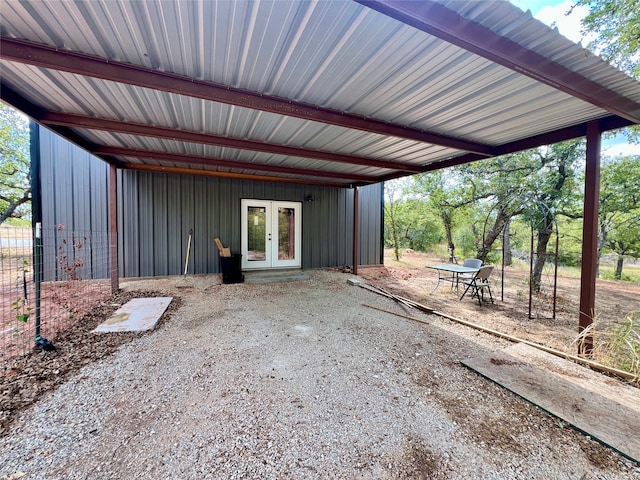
{"points": [[50, 279]]}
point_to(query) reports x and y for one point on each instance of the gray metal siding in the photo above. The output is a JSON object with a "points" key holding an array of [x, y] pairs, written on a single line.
{"points": [[158, 210], [370, 220], [75, 200]]}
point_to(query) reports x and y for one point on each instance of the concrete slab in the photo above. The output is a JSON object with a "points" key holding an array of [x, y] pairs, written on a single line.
{"points": [[137, 315], [272, 276], [602, 407]]}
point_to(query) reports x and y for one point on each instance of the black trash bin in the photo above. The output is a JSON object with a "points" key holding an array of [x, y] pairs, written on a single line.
{"points": [[231, 268]]}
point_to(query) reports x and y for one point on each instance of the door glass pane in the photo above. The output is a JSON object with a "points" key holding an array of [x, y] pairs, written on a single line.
{"points": [[286, 233], [256, 230]]}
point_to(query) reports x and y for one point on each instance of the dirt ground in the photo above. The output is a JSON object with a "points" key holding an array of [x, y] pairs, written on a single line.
{"points": [[285, 380], [510, 313], [25, 379]]}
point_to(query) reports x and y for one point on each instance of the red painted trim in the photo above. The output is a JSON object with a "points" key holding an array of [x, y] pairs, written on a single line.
{"points": [[590, 236], [82, 64], [219, 162], [130, 128], [356, 229], [436, 19], [232, 175]]}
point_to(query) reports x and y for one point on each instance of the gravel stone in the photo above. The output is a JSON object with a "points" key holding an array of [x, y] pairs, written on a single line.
{"points": [[294, 380]]}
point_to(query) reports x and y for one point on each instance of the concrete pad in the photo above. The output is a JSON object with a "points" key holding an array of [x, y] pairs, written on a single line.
{"points": [[274, 276], [602, 407], [137, 315]]}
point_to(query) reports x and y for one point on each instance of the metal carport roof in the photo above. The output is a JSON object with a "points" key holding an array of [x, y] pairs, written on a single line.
{"points": [[336, 93]]}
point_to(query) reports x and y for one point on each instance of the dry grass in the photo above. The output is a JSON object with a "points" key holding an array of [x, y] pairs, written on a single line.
{"points": [[617, 346]]}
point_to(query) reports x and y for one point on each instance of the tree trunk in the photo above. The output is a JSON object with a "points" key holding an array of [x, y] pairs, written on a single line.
{"points": [[602, 240], [12, 206], [541, 255], [448, 229], [619, 264], [506, 244], [487, 242], [394, 236]]}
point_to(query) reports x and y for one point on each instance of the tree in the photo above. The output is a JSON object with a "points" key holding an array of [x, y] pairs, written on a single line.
{"points": [[419, 226], [551, 190], [491, 192], [625, 240], [392, 214], [617, 26], [496, 186], [441, 191], [619, 206], [15, 188]]}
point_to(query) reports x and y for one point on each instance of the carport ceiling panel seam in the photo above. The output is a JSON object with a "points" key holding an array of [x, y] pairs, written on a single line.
{"points": [[82, 64], [436, 19], [83, 121]]}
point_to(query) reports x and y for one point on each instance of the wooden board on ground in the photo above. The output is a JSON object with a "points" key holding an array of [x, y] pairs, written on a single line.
{"points": [[602, 407]]}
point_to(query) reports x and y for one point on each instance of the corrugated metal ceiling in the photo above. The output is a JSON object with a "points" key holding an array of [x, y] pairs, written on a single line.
{"points": [[386, 78]]}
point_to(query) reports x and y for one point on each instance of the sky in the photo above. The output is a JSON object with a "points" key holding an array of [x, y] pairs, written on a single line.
{"points": [[554, 13]]}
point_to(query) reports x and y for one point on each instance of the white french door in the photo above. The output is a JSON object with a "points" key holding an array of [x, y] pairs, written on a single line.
{"points": [[271, 234]]}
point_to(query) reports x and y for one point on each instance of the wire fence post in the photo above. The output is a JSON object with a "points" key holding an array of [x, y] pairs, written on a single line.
{"points": [[37, 274]]}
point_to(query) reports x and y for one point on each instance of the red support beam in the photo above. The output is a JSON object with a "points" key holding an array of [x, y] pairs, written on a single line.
{"points": [[45, 56], [356, 221], [234, 175], [130, 128], [219, 162], [435, 18], [605, 124], [590, 237], [113, 227]]}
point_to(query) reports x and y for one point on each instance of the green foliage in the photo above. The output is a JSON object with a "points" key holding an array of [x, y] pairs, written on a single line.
{"points": [[619, 220], [409, 223], [465, 242], [609, 273], [15, 188], [22, 309], [570, 251], [468, 206], [617, 25], [18, 222], [421, 231]]}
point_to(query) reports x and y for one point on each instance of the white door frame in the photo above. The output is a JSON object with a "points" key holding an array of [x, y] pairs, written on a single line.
{"points": [[271, 259]]}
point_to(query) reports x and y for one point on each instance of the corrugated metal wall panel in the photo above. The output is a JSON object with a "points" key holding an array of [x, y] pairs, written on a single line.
{"points": [[370, 221], [129, 245], [188, 217], [160, 226], [145, 225], [75, 196], [156, 212], [211, 206], [99, 197], [174, 225]]}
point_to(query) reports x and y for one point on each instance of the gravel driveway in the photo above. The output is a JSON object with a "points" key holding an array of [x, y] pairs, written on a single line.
{"points": [[295, 380]]}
